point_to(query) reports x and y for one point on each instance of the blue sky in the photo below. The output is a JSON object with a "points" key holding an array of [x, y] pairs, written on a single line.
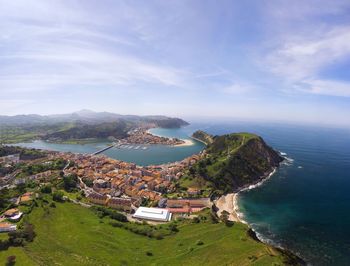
{"points": [[257, 60]]}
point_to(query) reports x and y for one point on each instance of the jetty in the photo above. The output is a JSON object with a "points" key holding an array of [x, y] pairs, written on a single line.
{"points": [[102, 150]]}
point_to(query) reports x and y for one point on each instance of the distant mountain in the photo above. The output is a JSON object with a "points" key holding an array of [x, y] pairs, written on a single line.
{"points": [[83, 124], [89, 117]]}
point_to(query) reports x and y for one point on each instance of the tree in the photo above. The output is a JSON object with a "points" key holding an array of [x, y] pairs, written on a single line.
{"points": [[46, 189], [224, 216], [21, 187], [70, 182], [173, 228], [57, 196], [4, 195]]}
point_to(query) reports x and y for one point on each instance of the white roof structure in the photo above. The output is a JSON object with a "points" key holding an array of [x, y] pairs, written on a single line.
{"points": [[153, 214], [16, 217]]}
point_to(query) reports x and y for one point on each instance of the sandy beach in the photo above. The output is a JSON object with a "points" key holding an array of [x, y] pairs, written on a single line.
{"points": [[228, 203], [187, 142]]}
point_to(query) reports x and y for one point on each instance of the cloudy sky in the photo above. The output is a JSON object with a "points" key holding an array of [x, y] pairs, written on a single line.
{"points": [[271, 60]]}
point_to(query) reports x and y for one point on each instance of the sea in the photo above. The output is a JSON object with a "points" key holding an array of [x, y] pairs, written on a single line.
{"points": [[304, 206]]}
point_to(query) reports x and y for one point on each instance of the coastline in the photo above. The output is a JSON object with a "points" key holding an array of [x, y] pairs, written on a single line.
{"points": [[229, 203], [187, 142]]}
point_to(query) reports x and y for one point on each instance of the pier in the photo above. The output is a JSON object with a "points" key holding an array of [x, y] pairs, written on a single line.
{"points": [[104, 149]]}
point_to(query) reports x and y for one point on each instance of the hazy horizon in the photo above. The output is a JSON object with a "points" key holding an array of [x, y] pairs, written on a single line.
{"points": [[190, 59]]}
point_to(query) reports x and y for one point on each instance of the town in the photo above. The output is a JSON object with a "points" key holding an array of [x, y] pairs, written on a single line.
{"points": [[141, 192], [143, 136]]}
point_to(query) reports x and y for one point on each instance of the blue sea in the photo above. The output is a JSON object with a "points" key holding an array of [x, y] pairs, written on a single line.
{"points": [[304, 206]]}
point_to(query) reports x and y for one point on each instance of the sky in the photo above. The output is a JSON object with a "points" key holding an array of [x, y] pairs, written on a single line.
{"points": [[255, 60]]}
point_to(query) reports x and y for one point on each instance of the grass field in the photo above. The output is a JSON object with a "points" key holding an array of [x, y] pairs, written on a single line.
{"points": [[72, 235]]}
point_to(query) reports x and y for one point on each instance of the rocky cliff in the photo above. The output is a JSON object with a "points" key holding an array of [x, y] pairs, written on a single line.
{"points": [[236, 160]]}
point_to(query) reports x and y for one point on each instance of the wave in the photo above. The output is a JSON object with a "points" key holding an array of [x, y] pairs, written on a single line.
{"points": [[240, 215]]}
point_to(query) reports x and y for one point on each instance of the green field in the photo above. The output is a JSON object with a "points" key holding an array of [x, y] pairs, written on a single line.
{"points": [[72, 235]]}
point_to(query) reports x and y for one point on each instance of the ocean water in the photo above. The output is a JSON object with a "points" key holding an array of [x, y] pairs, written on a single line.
{"points": [[304, 206]]}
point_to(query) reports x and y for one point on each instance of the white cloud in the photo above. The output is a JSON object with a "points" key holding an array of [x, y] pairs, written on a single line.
{"points": [[47, 45], [236, 88], [327, 87], [305, 56]]}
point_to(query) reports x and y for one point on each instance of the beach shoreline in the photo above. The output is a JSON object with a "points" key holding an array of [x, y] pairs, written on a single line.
{"points": [[229, 202], [187, 142]]}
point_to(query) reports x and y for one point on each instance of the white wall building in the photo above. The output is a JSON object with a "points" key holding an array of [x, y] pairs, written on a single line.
{"points": [[153, 214]]}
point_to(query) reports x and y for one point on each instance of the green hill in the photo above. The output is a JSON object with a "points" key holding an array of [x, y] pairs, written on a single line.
{"points": [[236, 160], [73, 235]]}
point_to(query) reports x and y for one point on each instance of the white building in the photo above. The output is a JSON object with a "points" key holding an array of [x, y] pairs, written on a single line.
{"points": [[7, 227], [153, 214]]}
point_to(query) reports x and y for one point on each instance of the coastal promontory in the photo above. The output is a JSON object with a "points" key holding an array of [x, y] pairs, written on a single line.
{"points": [[233, 161]]}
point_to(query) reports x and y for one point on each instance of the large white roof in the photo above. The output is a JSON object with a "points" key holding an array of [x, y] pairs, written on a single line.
{"points": [[155, 214]]}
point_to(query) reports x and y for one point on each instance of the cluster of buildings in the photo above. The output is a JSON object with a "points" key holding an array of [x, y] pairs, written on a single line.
{"points": [[114, 178], [9, 218], [10, 159], [172, 207], [142, 136], [123, 186]]}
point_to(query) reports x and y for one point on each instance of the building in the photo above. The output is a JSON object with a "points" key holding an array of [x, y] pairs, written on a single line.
{"points": [[193, 191], [152, 214], [120, 203], [187, 205], [26, 197], [97, 199], [13, 214], [14, 158], [194, 203], [7, 227]]}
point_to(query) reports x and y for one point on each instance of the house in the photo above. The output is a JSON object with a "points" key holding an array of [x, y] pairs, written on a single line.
{"points": [[101, 183], [97, 198], [13, 214], [7, 227], [152, 214], [193, 191], [187, 205], [14, 158], [194, 203], [26, 197], [120, 203]]}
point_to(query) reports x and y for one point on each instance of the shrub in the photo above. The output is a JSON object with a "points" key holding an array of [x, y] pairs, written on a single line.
{"points": [[195, 220], [46, 189], [57, 196], [11, 260], [149, 253], [199, 242], [4, 244], [173, 228]]}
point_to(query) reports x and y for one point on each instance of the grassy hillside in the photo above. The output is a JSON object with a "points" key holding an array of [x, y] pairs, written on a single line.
{"points": [[72, 235], [203, 136], [233, 161]]}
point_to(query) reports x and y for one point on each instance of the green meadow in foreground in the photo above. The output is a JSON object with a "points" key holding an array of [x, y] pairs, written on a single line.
{"points": [[73, 235]]}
